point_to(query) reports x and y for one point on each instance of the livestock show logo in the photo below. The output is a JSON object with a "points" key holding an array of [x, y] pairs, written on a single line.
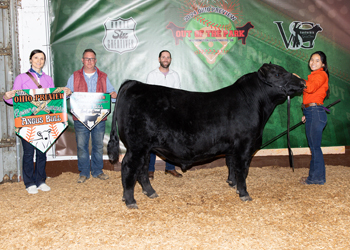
{"points": [[90, 108], [302, 34], [40, 116], [210, 31], [120, 35]]}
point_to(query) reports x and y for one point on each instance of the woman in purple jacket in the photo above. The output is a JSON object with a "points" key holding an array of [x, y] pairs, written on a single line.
{"points": [[34, 178]]}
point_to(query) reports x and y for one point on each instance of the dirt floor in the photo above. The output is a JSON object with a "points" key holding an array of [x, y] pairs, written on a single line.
{"points": [[199, 211]]}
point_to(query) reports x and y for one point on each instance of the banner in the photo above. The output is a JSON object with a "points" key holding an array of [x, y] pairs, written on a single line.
{"points": [[90, 108], [40, 116], [212, 43]]}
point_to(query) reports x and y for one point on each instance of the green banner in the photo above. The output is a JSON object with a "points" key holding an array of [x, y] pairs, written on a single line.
{"points": [[212, 43], [40, 116]]}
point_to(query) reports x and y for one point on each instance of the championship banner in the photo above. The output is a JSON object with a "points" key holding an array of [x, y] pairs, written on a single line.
{"points": [[40, 116], [90, 108]]}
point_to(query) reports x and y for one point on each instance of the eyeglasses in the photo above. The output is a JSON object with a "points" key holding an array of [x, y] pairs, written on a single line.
{"points": [[89, 59]]}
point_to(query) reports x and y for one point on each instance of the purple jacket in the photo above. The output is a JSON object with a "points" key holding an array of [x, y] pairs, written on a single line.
{"points": [[23, 81]]}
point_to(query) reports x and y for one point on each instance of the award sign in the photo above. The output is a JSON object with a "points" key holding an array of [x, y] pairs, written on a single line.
{"points": [[40, 115], [90, 108]]}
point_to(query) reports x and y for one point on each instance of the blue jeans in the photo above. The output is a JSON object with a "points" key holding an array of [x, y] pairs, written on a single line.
{"points": [[33, 176], [152, 161], [316, 120], [82, 135]]}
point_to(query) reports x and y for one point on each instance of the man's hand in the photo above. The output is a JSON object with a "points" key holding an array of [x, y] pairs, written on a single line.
{"points": [[67, 91], [113, 94]]}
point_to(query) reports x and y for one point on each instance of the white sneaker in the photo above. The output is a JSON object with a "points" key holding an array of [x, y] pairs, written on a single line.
{"points": [[32, 189], [44, 187]]}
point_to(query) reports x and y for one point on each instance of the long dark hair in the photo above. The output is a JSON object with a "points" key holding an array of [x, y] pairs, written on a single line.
{"points": [[325, 67], [36, 51], [323, 60]]}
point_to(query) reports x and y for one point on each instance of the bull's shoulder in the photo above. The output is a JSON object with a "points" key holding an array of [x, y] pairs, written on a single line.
{"points": [[129, 83]]}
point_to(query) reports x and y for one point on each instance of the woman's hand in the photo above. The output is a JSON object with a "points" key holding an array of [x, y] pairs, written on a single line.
{"points": [[303, 119], [9, 94]]}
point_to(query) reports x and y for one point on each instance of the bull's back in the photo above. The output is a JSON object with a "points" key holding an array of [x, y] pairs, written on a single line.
{"points": [[161, 117]]}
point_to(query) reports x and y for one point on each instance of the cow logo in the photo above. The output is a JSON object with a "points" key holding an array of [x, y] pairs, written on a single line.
{"points": [[302, 34], [120, 35], [90, 108], [40, 116], [210, 32]]}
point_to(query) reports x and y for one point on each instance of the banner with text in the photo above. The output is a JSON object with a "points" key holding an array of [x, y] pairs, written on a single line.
{"points": [[40, 116], [90, 108]]}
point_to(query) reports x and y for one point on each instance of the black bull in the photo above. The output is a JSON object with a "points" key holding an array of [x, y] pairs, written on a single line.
{"points": [[191, 127]]}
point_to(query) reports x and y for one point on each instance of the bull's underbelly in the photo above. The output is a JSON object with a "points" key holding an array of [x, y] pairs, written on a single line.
{"points": [[190, 156]]}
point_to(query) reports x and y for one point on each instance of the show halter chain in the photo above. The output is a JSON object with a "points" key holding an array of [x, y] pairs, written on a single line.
{"points": [[290, 152]]}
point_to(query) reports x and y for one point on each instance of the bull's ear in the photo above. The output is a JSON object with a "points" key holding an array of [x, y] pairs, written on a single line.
{"points": [[270, 62]]}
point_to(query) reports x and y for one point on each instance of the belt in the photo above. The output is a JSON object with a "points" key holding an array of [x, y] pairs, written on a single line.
{"points": [[304, 106]]}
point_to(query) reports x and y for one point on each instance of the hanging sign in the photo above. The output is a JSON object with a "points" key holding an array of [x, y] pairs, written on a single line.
{"points": [[90, 108], [40, 115]]}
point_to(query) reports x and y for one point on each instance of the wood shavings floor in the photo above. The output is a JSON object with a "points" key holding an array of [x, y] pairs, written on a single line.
{"points": [[198, 211]]}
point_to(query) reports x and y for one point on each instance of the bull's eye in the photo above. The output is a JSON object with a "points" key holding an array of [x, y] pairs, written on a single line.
{"points": [[277, 75]]}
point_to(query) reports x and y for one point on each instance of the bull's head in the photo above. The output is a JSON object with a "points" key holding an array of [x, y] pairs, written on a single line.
{"points": [[277, 77]]}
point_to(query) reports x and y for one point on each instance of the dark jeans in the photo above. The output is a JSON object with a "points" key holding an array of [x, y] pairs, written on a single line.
{"points": [[152, 161], [82, 135], [316, 120], [33, 176]]}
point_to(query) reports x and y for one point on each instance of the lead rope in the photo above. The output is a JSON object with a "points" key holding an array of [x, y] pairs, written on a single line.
{"points": [[291, 163]]}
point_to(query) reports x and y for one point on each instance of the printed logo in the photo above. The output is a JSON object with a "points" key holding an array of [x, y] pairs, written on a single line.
{"points": [[302, 34], [210, 32], [120, 35]]}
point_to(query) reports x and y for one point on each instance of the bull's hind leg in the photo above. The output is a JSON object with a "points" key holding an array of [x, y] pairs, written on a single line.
{"points": [[231, 179], [131, 165], [143, 179]]}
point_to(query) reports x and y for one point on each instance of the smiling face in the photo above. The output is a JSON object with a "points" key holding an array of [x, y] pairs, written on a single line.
{"points": [[315, 62], [89, 62], [165, 60], [37, 61]]}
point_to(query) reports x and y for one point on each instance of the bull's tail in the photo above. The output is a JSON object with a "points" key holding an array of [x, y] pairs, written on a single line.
{"points": [[113, 144]]}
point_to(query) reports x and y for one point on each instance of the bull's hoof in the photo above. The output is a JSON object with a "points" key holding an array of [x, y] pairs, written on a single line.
{"points": [[132, 206], [246, 198], [123, 199], [233, 186], [154, 195], [228, 181]]}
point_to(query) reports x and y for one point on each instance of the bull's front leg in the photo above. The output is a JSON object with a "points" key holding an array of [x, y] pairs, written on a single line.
{"points": [[241, 172], [129, 174]]}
